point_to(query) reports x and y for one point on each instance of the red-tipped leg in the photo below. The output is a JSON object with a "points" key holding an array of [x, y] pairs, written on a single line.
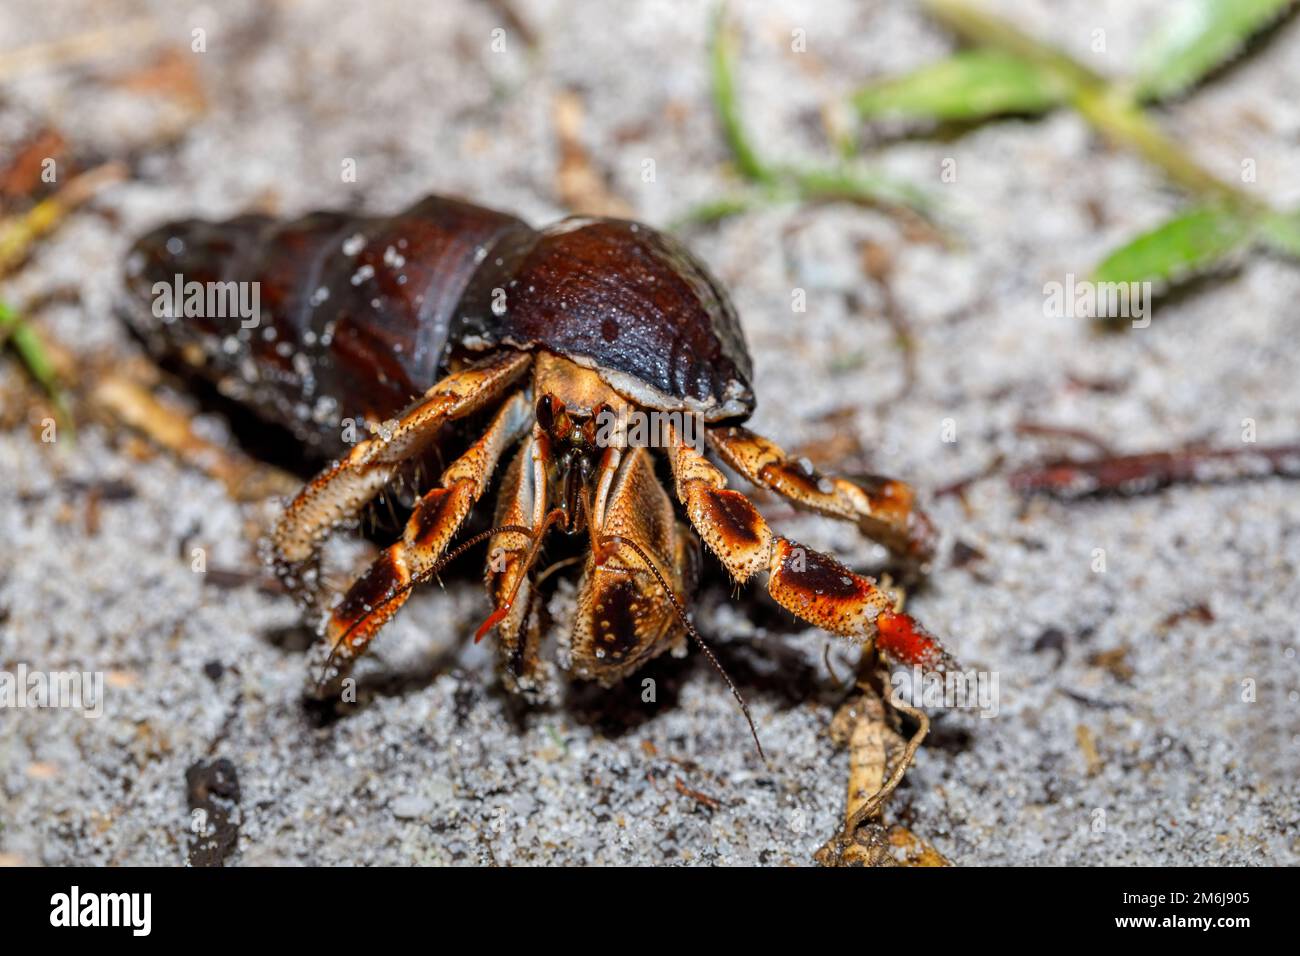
{"points": [[812, 585]]}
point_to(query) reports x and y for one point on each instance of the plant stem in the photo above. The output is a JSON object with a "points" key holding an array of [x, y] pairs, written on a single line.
{"points": [[858, 186], [724, 100], [984, 29], [1114, 114], [774, 183], [1110, 108], [13, 330]]}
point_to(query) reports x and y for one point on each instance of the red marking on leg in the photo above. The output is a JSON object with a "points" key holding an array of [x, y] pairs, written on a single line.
{"points": [[907, 642]]}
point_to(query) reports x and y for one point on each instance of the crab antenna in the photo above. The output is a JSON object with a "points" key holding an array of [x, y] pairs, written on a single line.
{"points": [[534, 550], [416, 581], [695, 635]]}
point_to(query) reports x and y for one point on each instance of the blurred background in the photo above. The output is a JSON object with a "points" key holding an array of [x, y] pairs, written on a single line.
{"points": [[889, 189]]}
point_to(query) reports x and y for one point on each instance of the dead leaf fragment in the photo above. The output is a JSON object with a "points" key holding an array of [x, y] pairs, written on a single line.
{"points": [[580, 185], [1088, 744]]}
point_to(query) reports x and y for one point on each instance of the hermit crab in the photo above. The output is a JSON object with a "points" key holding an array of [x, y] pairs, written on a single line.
{"points": [[475, 338]]}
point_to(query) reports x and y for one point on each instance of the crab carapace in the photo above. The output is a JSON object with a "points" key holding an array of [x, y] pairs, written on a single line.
{"points": [[449, 312]]}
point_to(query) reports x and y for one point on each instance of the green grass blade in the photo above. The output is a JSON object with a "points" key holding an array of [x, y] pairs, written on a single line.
{"points": [[17, 333], [1189, 244], [971, 85], [721, 56], [714, 211], [1281, 232], [1200, 36], [856, 184]]}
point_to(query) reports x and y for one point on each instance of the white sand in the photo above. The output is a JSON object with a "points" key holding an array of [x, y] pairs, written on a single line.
{"points": [[452, 771]]}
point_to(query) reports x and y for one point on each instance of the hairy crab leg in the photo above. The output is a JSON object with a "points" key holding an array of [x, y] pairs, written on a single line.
{"points": [[883, 509], [382, 589], [342, 489], [623, 615], [521, 502], [812, 585]]}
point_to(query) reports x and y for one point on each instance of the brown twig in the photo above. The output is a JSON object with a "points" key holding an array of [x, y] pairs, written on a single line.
{"points": [[878, 264], [19, 233], [135, 406], [712, 803], [1148, 472], [20, 177]]}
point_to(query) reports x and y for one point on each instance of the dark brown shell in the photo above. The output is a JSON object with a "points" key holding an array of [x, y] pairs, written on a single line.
{"points": [[358, 315], [355, 311], [621, 298]]}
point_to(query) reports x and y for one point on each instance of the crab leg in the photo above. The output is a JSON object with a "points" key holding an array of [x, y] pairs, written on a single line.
{"points": [[882, 508], [346, 486], [811, 585], [522, 503], [383, 587], [624, 616]]}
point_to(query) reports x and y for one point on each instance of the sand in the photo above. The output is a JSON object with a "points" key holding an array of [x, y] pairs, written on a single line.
{"points": [[1147, 713]]}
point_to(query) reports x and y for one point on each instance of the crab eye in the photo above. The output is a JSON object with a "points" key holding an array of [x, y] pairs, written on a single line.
{"points": [[548, 406]]}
